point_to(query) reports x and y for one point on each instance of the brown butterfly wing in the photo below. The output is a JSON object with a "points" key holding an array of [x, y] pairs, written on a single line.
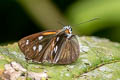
{"points": [[68, 52], [67, 49], [30, 45], [50, 52], [47, 52]]}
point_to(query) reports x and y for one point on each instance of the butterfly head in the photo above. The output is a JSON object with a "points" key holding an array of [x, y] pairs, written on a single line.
{"points": [[68, 31]]}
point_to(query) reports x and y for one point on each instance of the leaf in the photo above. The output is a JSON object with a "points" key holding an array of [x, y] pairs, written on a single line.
{"points": [[99, 59]]}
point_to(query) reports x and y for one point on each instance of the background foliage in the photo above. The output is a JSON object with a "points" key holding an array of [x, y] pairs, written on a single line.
{"points": [[19, 18]]}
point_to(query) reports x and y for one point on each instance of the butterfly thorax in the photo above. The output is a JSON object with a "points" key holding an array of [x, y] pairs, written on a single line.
{"points": [[68, 31]]}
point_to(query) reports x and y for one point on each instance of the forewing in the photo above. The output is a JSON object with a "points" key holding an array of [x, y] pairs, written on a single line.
{"points": [[52, 48], [47, 52], [34, 45]]}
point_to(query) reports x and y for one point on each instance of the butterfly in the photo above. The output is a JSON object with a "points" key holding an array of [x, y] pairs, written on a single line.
{"points": [[56, 47]]}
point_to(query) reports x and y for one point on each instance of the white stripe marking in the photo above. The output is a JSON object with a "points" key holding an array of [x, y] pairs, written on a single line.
{"points": [[40, 37], [56, 60], [55, 49], [39, 48], [57, 39], [34, 48], [27, 42]]}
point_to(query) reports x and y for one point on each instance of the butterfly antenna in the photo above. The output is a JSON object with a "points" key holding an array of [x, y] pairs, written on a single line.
{"points": [[87, 21], [61, 23]]}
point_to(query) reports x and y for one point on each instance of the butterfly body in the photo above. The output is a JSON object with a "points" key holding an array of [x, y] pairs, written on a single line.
{"points": [[57, 47]]}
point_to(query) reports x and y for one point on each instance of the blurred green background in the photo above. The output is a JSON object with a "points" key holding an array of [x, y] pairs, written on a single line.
{"points": [[19, 18]]}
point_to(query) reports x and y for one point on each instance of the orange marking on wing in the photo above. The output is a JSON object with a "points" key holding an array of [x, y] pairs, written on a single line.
{"points": [[67, 31], [52, 32], [48, 33]]}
